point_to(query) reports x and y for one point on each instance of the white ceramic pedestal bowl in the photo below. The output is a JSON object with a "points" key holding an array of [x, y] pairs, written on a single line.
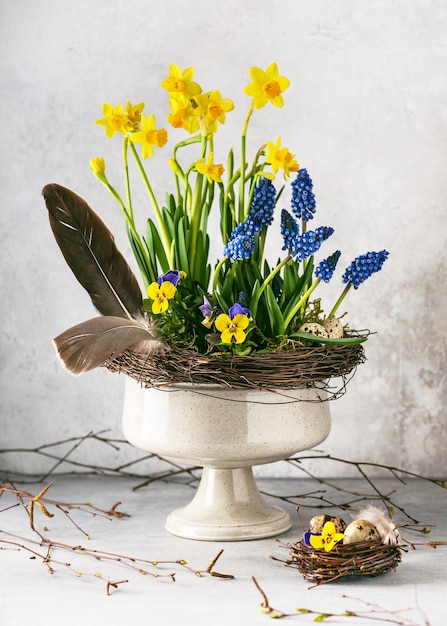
{"points": [[225, 431]]}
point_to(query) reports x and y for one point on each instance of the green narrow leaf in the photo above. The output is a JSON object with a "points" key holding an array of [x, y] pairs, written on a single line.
{"points": [[254, 299], [221, 302], [344, 341], [274, 312], [156, 247], [181, 251]]}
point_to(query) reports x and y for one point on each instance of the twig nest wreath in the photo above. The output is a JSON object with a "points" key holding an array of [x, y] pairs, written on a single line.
{"points": [[332, 549]]}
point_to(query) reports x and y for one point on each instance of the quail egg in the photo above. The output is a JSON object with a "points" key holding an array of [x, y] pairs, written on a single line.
{"points": [[360, 530], [333, 327], [314, 329], [316, 523]]}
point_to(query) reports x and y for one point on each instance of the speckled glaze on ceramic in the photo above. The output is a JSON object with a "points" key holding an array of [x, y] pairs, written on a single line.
{"points": [[226, 431]]}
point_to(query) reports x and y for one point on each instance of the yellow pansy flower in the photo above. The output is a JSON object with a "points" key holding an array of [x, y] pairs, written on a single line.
{"points": [[327, 539], [181, 84], [161, 294], [211, 170], [281, 158], [232, 328], [213, 107], [114, 119], [266, 86], [149, 136]]}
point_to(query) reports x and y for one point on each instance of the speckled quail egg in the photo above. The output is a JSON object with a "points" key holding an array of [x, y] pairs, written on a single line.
{"points": [[360, 530], [314, 329], [316, 523], [333, 327]]}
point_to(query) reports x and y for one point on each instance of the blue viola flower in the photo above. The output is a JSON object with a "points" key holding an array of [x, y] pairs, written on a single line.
{"points": [[237, 309], [171, 276], [206, 308], [307, 536], [363, 267], [303, 199], [326, 267]]}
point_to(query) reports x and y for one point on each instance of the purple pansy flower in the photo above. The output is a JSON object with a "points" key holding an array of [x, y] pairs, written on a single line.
{"points": [[171, 276]]}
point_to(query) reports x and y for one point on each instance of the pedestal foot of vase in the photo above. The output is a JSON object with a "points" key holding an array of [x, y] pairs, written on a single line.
{"points": [[227, 432], [228, 507]]}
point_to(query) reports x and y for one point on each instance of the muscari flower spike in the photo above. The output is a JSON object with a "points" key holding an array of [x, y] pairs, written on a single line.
{"points": [[263, 203], [240, 247], [241, 243], [305, 244], [303, 199], [326, 267], [289, 229], [363, 267]]}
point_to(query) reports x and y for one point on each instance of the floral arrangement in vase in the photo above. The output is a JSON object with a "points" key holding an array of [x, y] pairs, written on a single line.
{"points": [[239, 305]]}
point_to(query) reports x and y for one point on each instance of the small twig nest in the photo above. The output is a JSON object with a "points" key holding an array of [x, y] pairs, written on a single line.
{"points": [[365, 558]]}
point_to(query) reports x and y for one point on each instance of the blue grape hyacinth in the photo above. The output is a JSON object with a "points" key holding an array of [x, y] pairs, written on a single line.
{"points": [[303, 199], [326, 267], [241, 243], [363, 267]]}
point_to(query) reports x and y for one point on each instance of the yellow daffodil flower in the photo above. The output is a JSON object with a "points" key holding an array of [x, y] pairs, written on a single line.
{"points": [[98, 166], [132, 116], [266, 86], [281, 158], [213, 107], [161, 294], [182, 116], [327, 539], [232, 329], [149, 136], [181, 83], [211, 170], [114, 119]]}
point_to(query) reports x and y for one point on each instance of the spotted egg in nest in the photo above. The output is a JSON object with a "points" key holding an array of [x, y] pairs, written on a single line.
{"points": [[314, 329], [317, 523], [360, 530]]}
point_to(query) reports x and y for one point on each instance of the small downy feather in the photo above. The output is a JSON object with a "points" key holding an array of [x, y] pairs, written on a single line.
{"points": [[89, 249], [89, 344], [385, 526]]}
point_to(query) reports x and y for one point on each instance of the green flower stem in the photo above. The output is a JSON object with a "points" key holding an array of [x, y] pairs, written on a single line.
{"points": [[300, 302], [217, 271], [273, 273], [197, 206], [127, 179], [187, 142], [164, 233], [340, 299], [241, 213], [131, 224]]}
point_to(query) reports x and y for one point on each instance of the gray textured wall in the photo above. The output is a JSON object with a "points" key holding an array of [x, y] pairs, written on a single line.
{"points": [[366, 114]]}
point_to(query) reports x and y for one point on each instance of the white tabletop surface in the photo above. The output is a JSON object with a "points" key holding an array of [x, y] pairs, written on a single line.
{"points": [[30, 595]]}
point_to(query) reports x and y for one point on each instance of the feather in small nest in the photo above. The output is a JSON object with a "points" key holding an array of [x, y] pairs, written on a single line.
{"points": [[90, 344], [385, 526]]}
